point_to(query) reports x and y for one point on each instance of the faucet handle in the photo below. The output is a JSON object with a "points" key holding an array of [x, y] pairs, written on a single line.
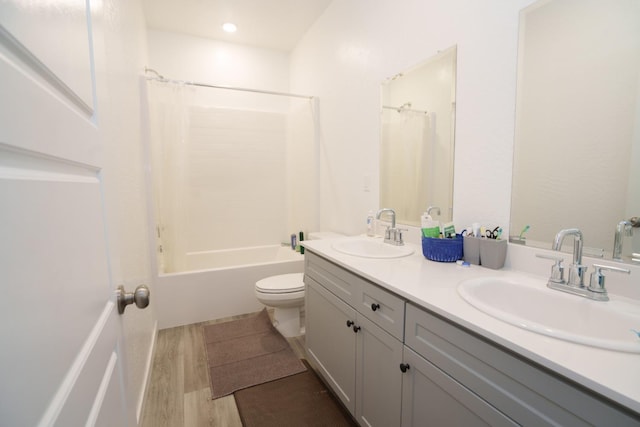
{"points": [[399, 240], [387, 233], [557, 270], [596, 282]]}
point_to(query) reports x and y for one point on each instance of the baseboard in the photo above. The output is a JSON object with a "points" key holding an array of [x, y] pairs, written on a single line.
{"points": [[142, 399]]}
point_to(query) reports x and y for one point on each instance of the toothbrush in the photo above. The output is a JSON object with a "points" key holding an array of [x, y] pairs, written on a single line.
{"points": [[524, 230]]}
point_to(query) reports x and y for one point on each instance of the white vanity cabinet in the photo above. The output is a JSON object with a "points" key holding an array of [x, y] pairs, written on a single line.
{"points": [[431, 397], [499, 386], [330, 343], [355, 341], [452, 376]]}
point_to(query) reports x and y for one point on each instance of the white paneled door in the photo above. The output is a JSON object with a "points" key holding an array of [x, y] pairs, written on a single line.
{"points": [[59, 327]]}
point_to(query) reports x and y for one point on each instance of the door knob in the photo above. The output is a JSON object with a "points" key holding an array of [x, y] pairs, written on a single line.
{"points": [[140, 297]]}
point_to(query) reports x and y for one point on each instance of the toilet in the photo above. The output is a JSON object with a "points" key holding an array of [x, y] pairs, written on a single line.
{"points": [[285, 294]]}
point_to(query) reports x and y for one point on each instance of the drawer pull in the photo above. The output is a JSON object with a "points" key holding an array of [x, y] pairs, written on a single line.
{"points": [[349, 323], [404, 367], [356, 328], [375, 306]]}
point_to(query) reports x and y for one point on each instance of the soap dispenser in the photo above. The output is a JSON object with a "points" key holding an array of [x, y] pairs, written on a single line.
{"points": [[371, 224], [430, 227]]}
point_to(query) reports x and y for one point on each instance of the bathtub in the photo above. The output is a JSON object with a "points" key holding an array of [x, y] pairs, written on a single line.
{"points": [[226, 258], [220, 283]]}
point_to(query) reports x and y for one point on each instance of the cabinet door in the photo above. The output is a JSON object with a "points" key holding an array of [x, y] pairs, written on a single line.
{"points": [[431, 397], [330, 343], [378, 376]]}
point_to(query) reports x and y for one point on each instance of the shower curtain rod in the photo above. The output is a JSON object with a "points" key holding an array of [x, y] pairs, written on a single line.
{"points": [[159, 77], [404, 108]]}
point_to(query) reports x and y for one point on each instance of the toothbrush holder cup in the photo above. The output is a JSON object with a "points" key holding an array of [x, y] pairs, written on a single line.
{"points": [[493, 253], [471, 249]]}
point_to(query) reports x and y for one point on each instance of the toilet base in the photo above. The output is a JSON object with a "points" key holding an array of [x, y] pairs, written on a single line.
{"points": [[287, 321]]}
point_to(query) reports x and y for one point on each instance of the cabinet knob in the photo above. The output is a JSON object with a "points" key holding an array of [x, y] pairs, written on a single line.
{"points": [[404, 367], [375, 306], [349, 323], [356, 328]]}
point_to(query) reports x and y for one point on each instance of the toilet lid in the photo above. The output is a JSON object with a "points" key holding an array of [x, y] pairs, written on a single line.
{"points": [[281, 284]]}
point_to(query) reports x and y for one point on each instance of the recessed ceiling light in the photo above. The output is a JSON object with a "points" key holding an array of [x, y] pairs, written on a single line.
{"points": [[229, 27]]}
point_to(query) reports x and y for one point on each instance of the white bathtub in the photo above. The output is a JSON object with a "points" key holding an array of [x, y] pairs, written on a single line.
{"points": [[226, 258], [220, 283]]}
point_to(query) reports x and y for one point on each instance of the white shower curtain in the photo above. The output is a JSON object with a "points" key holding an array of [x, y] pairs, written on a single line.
{"points": [[169, 128], [406, 149], [230, 170]]}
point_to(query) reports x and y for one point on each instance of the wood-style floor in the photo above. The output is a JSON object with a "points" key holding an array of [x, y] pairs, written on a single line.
{"points": [[179, 394]]}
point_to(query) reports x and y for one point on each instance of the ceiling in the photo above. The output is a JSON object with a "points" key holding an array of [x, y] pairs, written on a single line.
{"points": [[274, 24]]}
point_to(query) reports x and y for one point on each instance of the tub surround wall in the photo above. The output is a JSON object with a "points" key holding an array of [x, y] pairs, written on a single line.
{"points": [[235, 179]]}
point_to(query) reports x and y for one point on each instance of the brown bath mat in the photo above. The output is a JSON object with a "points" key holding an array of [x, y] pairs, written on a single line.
{"points": [[246, 352], [298, 400]]}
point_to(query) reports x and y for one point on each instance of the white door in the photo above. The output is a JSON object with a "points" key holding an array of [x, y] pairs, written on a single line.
{"points": [[59, 326]]}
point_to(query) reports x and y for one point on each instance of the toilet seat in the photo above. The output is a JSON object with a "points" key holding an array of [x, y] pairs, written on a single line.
{"points": [[281, 284]]}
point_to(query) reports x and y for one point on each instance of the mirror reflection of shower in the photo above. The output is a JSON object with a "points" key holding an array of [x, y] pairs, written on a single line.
{"points": [[404, 107], [233, 170], [417, 137]]}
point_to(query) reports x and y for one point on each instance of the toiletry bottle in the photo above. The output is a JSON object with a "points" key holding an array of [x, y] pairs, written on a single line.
{"points": [[448, 230], [300, 240], [430, 228], [370, 224]]}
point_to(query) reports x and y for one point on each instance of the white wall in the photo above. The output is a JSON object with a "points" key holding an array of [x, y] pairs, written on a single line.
{"points": [[344, 57], [124, 57], [184, 57], [356, 44]]}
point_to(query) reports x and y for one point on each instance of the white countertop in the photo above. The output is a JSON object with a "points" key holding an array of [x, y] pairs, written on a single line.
{"points": [[433, 286]]}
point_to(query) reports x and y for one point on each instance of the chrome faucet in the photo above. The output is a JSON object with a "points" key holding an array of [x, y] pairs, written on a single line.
{"points": [[623, 229], [575, 282], [391, 212], [392, 235], [576, 269]]}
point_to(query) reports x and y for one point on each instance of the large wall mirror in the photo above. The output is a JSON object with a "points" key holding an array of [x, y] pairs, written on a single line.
{"points": [[577, 139], [417, 139]]}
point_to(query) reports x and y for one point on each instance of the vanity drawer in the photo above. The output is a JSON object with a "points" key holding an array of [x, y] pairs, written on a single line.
{"points": [[522, 390], [334, 278], [382, 307]]}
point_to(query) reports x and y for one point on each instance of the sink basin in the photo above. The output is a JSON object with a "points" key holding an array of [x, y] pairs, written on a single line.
{"points": [[529, 304], [370, 248]]}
